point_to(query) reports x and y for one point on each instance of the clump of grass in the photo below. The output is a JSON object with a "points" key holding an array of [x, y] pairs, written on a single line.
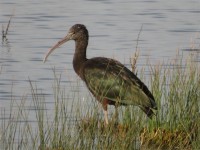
{"points": [[176, 88], [161, 138]]}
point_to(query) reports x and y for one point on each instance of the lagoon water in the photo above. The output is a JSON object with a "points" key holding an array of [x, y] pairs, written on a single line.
{"points": [[113, 26]]}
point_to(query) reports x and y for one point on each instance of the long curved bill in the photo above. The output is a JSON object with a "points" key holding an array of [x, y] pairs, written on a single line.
{"points": [[62, 41]]}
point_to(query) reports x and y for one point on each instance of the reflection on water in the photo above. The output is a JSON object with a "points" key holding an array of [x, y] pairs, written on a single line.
{"points": [[113, 27]]}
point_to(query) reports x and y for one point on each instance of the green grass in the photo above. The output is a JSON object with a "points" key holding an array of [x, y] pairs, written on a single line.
{"points": [[175, 86]]}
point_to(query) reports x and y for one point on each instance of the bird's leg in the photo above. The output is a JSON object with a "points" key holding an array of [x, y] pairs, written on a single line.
{"points": [[106, 116], [105, 110]]}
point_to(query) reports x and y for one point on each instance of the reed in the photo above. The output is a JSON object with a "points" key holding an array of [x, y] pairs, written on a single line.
{"points": [[5, 31], [175, 85]]}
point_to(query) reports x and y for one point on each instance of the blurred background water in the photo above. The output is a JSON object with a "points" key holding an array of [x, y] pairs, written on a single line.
{"points": [[113, 26]]}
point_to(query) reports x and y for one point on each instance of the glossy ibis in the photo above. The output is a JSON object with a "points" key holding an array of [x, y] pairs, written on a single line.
{"points": [[107, 79]]}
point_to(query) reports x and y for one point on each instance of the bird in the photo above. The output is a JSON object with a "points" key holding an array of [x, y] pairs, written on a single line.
{"points": [[109, 81]]}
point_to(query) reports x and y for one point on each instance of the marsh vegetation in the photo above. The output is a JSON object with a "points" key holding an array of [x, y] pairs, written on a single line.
{"points": [[175, 86]]}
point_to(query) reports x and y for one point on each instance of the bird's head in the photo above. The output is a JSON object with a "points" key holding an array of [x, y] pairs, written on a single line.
{"points": [[77, 32]]}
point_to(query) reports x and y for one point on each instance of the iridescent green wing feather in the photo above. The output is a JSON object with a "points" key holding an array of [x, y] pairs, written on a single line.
{"points": [[107, 78]]}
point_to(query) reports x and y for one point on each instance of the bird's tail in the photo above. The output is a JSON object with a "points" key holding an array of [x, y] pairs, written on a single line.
{"points": [[148, 111]]}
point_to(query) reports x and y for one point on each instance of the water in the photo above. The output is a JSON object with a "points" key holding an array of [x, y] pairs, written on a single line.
{"points": [[113, 27]]}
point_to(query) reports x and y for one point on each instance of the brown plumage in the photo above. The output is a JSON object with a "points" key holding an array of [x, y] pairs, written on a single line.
{"points": [[107, 79]]}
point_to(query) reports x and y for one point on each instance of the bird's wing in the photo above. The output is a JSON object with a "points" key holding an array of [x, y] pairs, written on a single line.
{"points": [[107, 78]]}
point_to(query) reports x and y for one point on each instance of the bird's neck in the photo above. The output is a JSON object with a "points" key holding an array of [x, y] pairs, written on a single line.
{"points": [[80, 57]]}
